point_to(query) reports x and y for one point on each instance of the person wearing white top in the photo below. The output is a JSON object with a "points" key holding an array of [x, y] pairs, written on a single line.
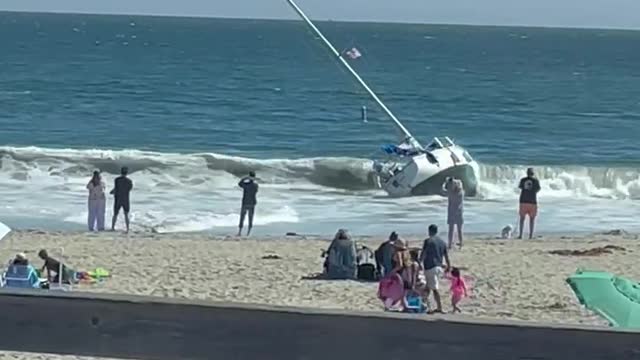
{"points": [[97, 202]]}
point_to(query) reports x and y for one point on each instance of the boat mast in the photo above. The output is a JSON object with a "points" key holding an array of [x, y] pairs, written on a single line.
{"points": [[373, 95]]}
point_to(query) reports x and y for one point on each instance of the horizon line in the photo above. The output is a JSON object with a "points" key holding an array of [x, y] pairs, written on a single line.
{"points": [[350, 21]]}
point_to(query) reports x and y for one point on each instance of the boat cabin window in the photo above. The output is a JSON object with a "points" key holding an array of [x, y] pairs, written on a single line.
{"points": [[432, 159]]}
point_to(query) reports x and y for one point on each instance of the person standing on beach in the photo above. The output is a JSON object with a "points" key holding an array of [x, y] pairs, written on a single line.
{"points": [[97, 202], [249, 191], [433, 254], [122, 188], [529, 188], [455, 208]]}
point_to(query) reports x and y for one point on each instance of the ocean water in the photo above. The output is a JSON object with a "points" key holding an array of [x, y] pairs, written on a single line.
{"points": [[192, 104]]}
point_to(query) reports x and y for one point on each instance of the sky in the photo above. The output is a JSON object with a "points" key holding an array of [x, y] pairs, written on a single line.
{"points": [[624, 14]]}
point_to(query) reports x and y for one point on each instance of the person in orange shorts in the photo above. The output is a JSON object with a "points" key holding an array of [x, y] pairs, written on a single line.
{"points": [[529, 188]]}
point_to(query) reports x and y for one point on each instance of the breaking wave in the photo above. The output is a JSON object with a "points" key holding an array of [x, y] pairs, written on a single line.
{"points": [[340, 173]]}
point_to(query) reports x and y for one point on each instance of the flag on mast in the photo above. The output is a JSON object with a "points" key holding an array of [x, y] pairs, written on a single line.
{"points": [[353, 53]]}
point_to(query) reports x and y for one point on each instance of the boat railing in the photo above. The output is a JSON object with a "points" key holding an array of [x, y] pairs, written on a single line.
{"points": [[449, 141], [438, 143]]}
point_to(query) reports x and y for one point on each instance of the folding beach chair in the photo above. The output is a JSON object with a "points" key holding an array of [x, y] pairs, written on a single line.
{"points": [[21, 276]]}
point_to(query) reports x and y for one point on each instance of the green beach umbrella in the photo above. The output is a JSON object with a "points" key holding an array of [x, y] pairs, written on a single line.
{"points": [[615, 298]]}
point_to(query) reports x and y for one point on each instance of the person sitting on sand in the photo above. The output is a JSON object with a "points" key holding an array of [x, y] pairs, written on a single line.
{"points": [[20, 260], [53, 266], [414, 284], [410, 269], [384, 255], [342, 258]]}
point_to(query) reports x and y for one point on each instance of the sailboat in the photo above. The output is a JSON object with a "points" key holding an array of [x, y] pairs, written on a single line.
{"points": [[409, 168]]}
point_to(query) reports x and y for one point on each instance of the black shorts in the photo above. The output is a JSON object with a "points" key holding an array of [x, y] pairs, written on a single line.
{"points": [[124, 205]]}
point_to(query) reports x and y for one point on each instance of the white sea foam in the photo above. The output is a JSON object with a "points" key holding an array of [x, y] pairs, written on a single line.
{"points": [[196, 192]]}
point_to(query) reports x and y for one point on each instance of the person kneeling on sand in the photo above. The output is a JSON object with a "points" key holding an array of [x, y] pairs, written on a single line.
{"points": [[53, 266], [434, 251]]}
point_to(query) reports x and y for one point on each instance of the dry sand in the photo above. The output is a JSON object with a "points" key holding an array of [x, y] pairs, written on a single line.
{"points": [[514, 279]]}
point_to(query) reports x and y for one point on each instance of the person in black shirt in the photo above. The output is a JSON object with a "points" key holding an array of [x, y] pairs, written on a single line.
{"points": [[529, 188], [249, 191], [384, 256], [122, 188]]}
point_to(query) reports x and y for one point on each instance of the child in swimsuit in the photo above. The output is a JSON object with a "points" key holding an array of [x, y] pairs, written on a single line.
{"points": [[458, 289]]}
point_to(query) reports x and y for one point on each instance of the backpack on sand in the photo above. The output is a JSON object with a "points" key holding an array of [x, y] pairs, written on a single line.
{"points": [[366, 265]]}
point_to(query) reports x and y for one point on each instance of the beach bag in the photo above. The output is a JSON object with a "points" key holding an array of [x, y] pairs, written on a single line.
{"points": [[367, 272], [366, 266], [364, 255]]}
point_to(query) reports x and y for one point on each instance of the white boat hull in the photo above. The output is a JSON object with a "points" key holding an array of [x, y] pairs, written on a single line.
{"points": [[423, 176]]}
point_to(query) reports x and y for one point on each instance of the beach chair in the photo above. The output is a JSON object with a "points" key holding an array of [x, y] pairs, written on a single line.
{"points": [[21, 276], [414, 304]]}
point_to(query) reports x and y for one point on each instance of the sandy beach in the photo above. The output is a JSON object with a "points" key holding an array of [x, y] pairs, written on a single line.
{"points": [[513, 279]]}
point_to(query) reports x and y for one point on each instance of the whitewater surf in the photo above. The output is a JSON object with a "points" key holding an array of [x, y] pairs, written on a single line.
{"points": [[198, 192]]}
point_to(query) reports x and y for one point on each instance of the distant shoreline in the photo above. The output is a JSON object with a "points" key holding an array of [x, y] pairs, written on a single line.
{"points": [[341, 21]]}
